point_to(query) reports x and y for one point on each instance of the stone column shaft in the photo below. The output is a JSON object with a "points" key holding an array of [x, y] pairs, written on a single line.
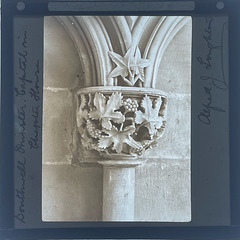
{"points": [[118, 193]]}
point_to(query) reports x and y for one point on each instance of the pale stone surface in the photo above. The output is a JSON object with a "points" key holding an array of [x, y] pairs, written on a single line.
{"points": [[58, 126], [62, 67], [118, 193], [172, 74], [162, 191], [158, 194], [72, 193]]}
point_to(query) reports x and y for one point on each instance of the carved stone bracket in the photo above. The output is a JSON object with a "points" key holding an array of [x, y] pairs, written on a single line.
{"points": [[120, 121]]}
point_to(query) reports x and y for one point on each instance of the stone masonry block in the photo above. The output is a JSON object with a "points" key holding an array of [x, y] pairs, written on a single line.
{"points": [[162, 191], [72, 193], [176, 139], [62, 67], [58, 124], [175, 68]]}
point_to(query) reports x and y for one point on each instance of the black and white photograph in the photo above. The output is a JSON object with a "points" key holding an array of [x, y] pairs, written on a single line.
{"points": [[116, 124]]}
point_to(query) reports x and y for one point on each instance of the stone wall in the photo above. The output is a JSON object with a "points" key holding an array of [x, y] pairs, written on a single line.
{"points": [[73, 191]]}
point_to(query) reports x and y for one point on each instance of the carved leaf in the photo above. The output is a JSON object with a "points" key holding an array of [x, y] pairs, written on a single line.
{"points": [[82, 113], [118, 138], [138, 64], [150, 117], [86, 141], [131, 65], [121, 62], [106, 111]]}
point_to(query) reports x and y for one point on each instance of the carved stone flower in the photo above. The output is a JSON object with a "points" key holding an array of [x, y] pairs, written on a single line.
{"points": [[130, 65]]}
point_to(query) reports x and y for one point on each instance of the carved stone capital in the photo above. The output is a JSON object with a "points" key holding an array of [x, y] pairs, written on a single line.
{"points": [[120, 122]]}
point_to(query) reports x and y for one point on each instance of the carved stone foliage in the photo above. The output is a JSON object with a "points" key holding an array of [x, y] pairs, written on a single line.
{"points": [[130, 67], [122, 123]]}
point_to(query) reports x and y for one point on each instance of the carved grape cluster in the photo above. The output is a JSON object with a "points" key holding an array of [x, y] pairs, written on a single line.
{"points": [[130, 105], [95, 133]]}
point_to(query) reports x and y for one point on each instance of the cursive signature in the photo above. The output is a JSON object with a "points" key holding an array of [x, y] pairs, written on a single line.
{"points": [[216, 82], [205, 114], [34, 92], [22, 65], [20, 192], [207, 61], [20, 146], [214, 53], [33, 142]]}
